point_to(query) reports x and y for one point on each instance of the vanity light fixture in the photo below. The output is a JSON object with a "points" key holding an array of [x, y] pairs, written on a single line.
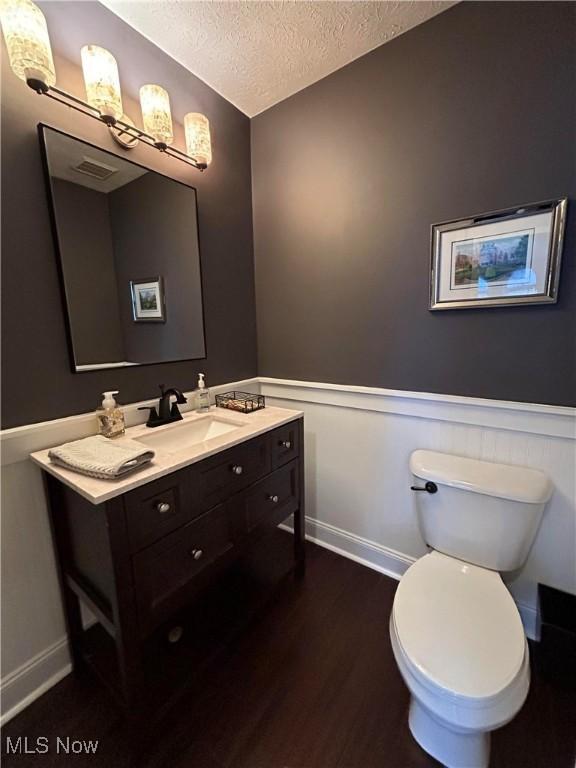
{"points": [[102, 82], [197, 130], [28, 44], [156, 115]]}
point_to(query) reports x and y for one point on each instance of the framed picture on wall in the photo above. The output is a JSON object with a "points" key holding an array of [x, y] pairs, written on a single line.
{"points": [[148, 302], [498, 259]]}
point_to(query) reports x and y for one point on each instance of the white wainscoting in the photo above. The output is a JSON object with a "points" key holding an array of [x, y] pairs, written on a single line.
{"points": [[358, 441], [34, 648]]}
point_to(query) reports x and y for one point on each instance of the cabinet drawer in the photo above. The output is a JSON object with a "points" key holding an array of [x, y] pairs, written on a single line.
{"points": [[163, 573], [273, 499], [226, 473], [158, 508], [285, 443]]}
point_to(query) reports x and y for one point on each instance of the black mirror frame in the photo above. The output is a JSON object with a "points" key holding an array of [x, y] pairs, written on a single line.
{"points": [[42, 128]]}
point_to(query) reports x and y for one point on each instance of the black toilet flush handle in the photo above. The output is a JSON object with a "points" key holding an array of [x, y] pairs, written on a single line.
{"points": [[429, 486]]}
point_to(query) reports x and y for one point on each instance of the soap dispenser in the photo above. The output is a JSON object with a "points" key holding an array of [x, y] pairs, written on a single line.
{"points": [[110, 416], [202, 395]]}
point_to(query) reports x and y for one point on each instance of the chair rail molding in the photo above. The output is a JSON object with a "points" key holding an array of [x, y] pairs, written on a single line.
{"points": [[536, 418]]}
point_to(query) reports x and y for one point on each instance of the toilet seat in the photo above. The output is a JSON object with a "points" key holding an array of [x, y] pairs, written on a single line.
{"points": [[459, 627], [459, 642]]}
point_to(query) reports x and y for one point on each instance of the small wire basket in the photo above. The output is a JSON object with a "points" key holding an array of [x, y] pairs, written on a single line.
{"points": [[240, 401]]}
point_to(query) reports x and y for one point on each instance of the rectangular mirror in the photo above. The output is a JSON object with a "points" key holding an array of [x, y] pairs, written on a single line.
{"points": [[127, 240]]}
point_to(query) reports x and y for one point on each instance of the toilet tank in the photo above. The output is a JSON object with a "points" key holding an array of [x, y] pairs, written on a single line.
{"points": [[482, 512]]}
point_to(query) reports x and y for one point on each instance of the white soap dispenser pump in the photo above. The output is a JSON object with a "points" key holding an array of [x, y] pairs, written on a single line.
{"points": [[202, 395], [110, 417]]}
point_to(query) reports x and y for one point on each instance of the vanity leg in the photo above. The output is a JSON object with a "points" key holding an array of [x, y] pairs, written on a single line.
{"points": [[299, 542], [299, 515], [74, 627], [70, 601], [127, 640], [131, 683], [129, 658]]}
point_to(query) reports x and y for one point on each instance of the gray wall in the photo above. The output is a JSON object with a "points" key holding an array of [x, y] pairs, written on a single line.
{"points": [[155, 233], [470, 112], [38, 383], [85, 240]]}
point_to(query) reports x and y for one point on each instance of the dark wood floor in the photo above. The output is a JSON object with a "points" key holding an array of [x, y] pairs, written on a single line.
{"points": [[310, 682]]}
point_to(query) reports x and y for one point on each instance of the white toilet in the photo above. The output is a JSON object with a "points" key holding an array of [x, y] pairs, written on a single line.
{"points": [[456, 632]]}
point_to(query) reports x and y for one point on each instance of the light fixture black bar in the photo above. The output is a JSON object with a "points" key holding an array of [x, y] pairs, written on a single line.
{"points": [[63, 97], [52, 95]]}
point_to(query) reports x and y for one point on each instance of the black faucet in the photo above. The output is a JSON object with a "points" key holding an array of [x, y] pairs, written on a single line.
{"points": [[165, 413]]}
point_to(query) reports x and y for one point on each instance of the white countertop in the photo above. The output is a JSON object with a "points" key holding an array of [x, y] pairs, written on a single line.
{"points": [[97, 491]]}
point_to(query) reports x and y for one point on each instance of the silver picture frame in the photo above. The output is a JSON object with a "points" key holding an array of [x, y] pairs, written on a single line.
{"points": [[485, 278], [149, 289]]}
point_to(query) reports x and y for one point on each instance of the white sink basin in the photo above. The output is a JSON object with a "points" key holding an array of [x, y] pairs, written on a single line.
{"points": [[184, 434]]}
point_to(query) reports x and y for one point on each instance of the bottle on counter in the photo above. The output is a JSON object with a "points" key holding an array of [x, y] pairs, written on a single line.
{"points": [[110, 417], [202, 395]]}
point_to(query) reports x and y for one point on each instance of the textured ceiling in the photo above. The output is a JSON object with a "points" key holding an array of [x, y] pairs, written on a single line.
{"points": [[255, 52]]}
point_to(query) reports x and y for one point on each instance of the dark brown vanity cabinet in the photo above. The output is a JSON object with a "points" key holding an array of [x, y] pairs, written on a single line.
{"points": [[142, 557]]}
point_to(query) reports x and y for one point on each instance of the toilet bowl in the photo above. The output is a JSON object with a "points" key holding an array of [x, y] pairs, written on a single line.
{"points": [[460, 647], [456, 633]]}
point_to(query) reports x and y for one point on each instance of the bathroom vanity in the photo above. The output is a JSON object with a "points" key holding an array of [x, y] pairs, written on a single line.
{"points": [[140, 550]]}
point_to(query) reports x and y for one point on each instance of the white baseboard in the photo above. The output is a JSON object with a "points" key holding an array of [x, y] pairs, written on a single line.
{"points": [[386, 561], [531, 621], [363, 551], [27, 683]]}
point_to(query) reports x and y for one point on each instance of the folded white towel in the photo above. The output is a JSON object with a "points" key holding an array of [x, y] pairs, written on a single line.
{"points": [[99, 456]]}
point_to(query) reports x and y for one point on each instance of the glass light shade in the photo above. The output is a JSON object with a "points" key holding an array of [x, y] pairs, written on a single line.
{"points": [[102, 81], [198, 145], [155, 105], [27, 41]]}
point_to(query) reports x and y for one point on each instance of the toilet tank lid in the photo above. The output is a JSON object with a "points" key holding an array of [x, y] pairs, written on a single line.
{"points": [[531, 486]]}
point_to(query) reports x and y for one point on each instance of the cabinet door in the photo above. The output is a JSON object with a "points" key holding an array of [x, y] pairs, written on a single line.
{"points": [[164, 574], [285, 443], [224, 474], [271, 500], [156, 509]]}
